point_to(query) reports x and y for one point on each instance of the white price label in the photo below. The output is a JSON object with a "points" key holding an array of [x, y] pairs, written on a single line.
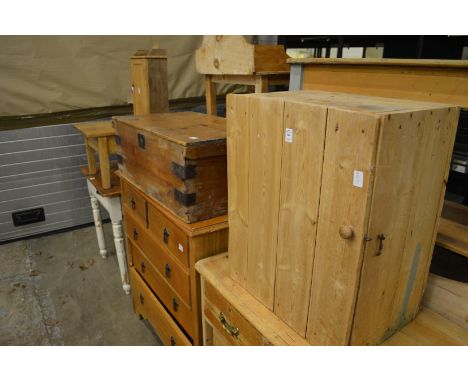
{"points": [[358, 179], [288, 135]]}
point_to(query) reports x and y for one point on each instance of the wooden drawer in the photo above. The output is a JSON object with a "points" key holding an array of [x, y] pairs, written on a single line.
{"points": [[169, 297], [148, 306], [167, 234], [229, 326], [132, 199], [158, 261]]}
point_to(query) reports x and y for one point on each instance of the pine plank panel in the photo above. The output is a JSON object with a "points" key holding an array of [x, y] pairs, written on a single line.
{"points": [[238, 151], [430, 184], [396, 170], [337, 260], [266, 139], [301, 174], [430, 83], [424, 63]]}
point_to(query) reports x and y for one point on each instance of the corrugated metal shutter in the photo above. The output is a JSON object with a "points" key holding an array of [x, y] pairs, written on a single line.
{"points": [[40, 167]]}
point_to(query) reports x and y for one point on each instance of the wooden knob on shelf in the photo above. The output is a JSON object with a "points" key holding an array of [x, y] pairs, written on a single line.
{"points": [[346, 232]]}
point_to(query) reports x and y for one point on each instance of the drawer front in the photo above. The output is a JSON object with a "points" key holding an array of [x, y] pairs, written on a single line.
{"points": [[227, 322], [134, 202], [166, 264], [148, 306], [169, 297], [149, 263], [129, 251], [168, 234]]}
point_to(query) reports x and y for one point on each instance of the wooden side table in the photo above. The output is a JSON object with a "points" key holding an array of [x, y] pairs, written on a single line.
{"points": [[110, 200], [104, 188], [100, 139]]}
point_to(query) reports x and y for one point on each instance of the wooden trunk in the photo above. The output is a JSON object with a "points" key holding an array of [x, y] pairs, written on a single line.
{"points": [[177, 158], [161, 253], [334, 202]]}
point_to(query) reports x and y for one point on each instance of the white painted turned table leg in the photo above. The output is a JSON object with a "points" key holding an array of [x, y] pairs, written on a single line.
{"points": [[98, 224], [120, 250]]}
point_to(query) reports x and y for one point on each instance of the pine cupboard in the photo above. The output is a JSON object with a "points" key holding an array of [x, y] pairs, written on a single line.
{"points": [[334, 202]]}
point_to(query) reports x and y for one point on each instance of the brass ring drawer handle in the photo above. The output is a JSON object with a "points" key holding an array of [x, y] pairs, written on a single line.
{"points": [[231, 329], [173, 341], [133, 203], [142, 299], [135, 234], [143, 266]]}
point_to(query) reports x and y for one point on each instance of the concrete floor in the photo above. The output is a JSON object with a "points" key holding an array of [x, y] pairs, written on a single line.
{"points": [[57, 290]]}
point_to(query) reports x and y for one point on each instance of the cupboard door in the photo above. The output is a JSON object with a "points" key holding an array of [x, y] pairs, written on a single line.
{"points": [[140, 87], [347, 181], [411, 181]]}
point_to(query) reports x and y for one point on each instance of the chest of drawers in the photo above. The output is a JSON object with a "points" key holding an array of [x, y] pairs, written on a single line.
{"points": [[162, 251], [233, 317]]}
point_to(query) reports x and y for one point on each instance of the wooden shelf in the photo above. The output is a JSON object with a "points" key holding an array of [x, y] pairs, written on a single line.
{"points": [[453, 228], [96, 180]]}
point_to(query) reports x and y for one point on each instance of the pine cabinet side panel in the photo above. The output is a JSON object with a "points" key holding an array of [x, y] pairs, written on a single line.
{"points": [[301, 174], [158, 88], [439, 135], [200, 247], [238, 152], [397, 169], [266, 139], [348, 170]]}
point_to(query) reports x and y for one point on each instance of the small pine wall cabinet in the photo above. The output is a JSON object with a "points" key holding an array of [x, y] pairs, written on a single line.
{"points": [[161, 252], [334, 202], [149, 82]]}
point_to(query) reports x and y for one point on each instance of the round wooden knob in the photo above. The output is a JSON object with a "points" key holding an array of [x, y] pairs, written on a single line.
{"points": [[216, 63], [346, 232]]}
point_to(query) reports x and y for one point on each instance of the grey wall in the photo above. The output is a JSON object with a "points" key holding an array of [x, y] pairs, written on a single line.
{"points": [[40, 167]]}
